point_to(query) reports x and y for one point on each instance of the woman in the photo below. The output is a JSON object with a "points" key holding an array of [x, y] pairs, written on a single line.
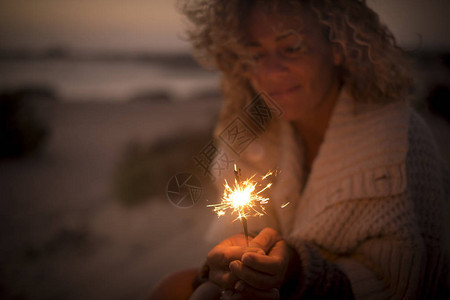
{"points": [[358, 168]]}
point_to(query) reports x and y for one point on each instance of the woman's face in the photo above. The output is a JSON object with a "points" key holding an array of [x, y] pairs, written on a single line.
{"points": [[292, 61]]}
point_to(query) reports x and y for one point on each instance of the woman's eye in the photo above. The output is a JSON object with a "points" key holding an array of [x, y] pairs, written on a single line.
{"points": [[257, 57], [292, 51]]}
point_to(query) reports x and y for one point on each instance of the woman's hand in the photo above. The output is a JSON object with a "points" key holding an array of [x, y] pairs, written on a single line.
{"points": [[219, 259], [259, 275]]}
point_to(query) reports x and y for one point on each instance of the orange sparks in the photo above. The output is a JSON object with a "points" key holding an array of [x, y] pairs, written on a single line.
{"points": [[243, 198], [286, 204]]}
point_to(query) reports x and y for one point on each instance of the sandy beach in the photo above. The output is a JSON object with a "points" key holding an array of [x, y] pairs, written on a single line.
{"points": [[64, 234]]}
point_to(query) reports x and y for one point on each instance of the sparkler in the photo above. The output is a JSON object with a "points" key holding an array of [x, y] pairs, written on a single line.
{"points": [[243, 199]]}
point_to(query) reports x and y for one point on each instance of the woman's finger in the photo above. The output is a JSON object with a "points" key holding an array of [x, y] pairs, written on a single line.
{"points": [[248, 292], [224, 279], [254, 278], [218, 261], [273, 263], [231, 295], [263, 263], [235, 240], [221, 256], [266, 239]]}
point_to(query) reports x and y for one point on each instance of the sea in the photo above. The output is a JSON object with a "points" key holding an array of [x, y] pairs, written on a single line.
{"points": [[116, 77]]}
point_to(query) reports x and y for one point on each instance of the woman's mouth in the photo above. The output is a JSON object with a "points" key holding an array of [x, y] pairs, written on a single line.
{"points": [[283, 92]]}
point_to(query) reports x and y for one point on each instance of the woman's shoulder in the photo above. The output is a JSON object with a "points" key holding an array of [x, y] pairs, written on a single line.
{"points": [[420, 136], [424, 164], [363, 137]]}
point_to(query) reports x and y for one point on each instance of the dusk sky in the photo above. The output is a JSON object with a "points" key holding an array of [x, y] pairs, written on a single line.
{"points": [[155, 25]]}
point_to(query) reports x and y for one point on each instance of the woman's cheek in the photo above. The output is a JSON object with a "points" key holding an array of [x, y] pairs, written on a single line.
{"points": [[256, 82]]}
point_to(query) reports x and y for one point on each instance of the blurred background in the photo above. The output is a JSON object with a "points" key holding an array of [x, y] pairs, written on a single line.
{"points": [[101, 104]]}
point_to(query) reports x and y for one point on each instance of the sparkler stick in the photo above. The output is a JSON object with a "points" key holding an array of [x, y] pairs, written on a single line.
{"points": [[243, 199], [237, 176], [244, 224]]}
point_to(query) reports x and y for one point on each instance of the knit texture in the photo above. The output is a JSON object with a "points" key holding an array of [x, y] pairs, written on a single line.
{"points": [[370, 213]]}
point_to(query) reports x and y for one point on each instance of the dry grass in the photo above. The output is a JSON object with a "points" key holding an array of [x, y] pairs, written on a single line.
{"points": [[145, 169]]}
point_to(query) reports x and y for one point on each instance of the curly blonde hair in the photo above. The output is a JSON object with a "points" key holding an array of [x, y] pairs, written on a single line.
{"points": [[374, 68]]}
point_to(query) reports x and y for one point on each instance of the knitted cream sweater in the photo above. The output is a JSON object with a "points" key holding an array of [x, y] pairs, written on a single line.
{"points": [[368, 216]]}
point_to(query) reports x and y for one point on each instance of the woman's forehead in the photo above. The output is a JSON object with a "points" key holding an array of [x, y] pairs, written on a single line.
{"points": [[281, 20]]}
